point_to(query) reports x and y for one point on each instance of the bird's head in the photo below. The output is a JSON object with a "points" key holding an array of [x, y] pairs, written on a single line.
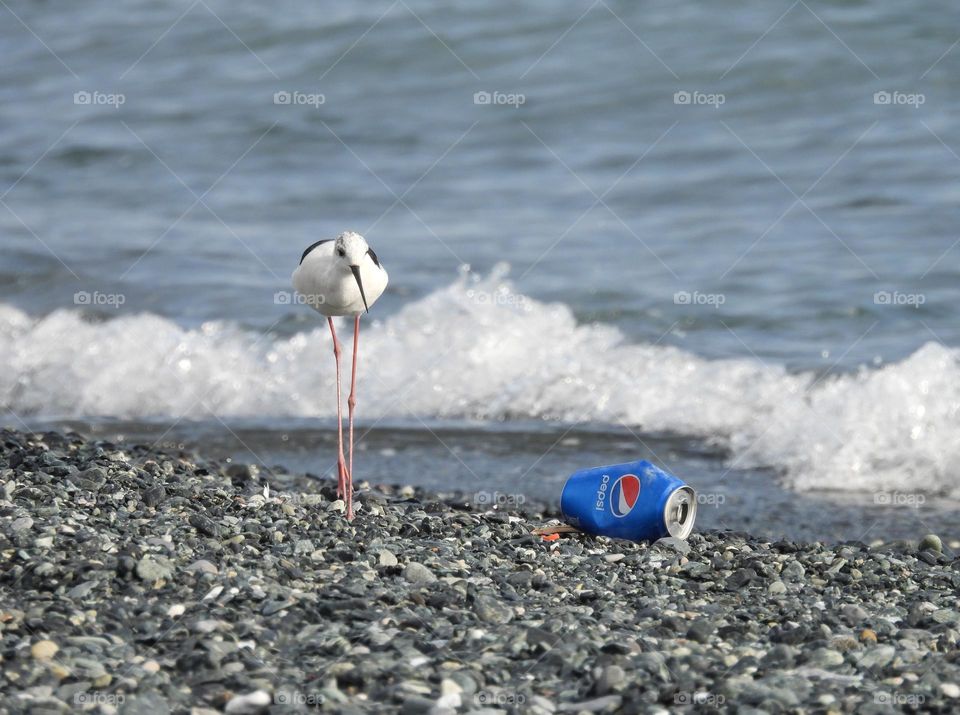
{"points": [[350, 248]]}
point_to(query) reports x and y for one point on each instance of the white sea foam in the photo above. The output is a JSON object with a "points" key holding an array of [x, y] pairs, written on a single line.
{"points": [[475, 349]]}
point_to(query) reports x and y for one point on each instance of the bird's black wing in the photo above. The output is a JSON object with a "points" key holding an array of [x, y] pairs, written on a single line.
{"points": [[312, 246]]}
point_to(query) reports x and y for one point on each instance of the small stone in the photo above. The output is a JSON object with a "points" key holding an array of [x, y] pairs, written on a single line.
{"points": [[450, 687], [21, 524], [205, 525], [250, 703], [416, 705], [203, 566], [154, 496], [777, 588], [386, 558], [82, 590], [844, 643], [780, 656], [951, 690], [741, 578], [825, 658], [877, 657], [542, 704], [837, 566], [271, 608], [608, 703], [611, 680], [447, 705], [242, 473], [151, 568], [868, 635], [146, 702], [176, 610], [209, 625], [793, 571], [418, 573], [931, 542], [151, 666], [700, 630], [491, 610], [852, 614], [673, 543], [44, 650], [945, 615]]}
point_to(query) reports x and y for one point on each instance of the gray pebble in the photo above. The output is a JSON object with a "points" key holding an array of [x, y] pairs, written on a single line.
{"points": [[153, 568], [700, 630], [608, 703], [673, 543], [154, 496], [491, 610], [416, 572], [611, 679]]}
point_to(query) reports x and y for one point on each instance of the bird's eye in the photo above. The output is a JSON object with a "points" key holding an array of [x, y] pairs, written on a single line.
{"points": [[341, 252]]}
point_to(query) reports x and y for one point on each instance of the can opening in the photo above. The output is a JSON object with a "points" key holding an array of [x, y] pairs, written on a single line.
{"points": [[680, 512]]}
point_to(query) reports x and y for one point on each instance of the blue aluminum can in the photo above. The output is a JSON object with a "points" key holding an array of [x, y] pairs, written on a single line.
{"points": [[636, 501]]}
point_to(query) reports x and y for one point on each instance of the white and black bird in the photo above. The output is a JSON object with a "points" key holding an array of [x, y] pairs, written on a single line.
{"points": [[341, 277]]}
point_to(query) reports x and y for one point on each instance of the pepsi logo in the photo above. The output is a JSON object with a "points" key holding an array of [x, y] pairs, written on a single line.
{"points": [[624, 495]]}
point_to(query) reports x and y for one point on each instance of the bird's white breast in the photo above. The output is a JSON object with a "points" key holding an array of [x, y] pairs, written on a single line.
{"points": [[328, 284]]}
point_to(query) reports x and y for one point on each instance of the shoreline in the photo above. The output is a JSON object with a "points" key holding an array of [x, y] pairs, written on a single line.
{"points": [[137, 580], [513, 466]]}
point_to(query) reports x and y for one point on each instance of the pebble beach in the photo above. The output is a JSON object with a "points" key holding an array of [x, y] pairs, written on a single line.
{"points": [[135, 580]]}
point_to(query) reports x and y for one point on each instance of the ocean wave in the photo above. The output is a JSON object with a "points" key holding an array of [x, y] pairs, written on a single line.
{"points": [[476, 349]]}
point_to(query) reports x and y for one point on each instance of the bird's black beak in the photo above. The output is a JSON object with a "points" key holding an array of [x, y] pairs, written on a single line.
{"points": [[356, 274]]}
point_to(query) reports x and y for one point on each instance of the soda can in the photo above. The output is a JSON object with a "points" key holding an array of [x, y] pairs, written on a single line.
{"points": [[636, 501]]}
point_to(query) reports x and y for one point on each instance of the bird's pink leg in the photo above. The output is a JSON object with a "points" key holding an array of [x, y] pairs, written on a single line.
{"points": [[342, 474], [351, 404]]}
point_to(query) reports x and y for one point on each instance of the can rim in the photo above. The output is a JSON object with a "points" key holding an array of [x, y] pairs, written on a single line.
{"points": [[680, 512]]}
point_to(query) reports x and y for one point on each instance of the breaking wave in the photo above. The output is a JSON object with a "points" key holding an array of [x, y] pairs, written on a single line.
{"points": [[477, 350]]}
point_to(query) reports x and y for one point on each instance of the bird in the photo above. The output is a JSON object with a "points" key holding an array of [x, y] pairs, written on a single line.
{"points": [[341, 277]]}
